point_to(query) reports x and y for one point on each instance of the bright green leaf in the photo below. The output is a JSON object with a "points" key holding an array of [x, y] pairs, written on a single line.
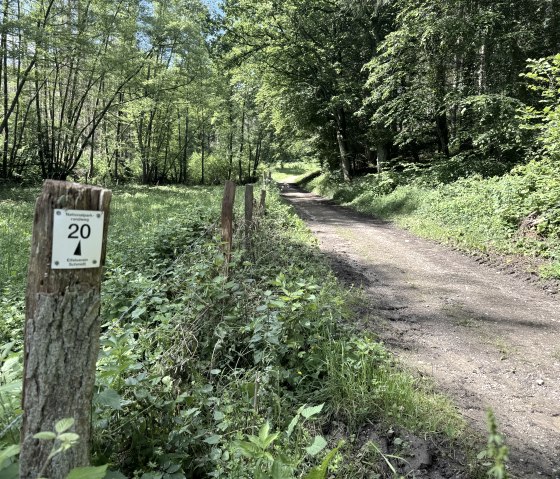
{"points": [[87, 472], [292, 425], [318, 445], [45, 436], [8, 452], [69, 437], [64, 424], [263, 433], [312, 411], [320, 472]]}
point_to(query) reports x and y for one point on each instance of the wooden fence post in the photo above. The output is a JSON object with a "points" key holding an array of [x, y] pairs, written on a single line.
{"points": [[227, 218], [262, 204], [248, 215], [62, 322]]}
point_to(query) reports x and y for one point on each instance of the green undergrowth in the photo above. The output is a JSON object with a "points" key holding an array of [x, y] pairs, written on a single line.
{"points": [[516, 213], [226, 371]]}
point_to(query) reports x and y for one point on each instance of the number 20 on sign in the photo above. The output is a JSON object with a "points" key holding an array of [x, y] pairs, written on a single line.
{"points": [[77, 239]]}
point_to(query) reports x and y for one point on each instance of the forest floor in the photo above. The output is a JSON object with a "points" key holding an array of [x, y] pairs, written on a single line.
{"points": [[489, 338]]}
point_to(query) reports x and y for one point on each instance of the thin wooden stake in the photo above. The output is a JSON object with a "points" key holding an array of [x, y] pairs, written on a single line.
{"points": [[62, 324], [227, 218], [262, 204], [248, 215]]}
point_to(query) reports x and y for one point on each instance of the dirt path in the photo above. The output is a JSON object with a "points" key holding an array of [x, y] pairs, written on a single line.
{"points": [[490, 340]]}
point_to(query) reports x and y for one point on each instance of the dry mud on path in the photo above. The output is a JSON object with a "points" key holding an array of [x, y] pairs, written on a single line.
{"points": [[489, 340]]}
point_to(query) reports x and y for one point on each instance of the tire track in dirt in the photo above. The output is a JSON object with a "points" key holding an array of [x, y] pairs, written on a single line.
{"points": [[489, 340]]}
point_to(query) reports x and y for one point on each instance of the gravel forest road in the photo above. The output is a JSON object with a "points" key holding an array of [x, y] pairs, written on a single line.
{"points": [[489, 339]]}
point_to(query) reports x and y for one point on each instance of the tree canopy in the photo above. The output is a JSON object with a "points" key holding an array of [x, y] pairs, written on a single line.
{"points": [[188, 91]]}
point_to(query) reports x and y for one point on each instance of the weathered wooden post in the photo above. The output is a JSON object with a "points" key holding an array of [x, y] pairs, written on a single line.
{"points": [[248, 215], [62, 322], [262, 204], [227, 218]]}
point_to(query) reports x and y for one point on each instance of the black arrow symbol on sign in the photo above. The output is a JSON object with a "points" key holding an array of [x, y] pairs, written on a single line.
{"points": [[78, 251]]}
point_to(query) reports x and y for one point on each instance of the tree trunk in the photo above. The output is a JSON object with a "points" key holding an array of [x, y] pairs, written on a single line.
{"points": [[184, 163], [443, 133], [383, 155], [442, 126], [257, 155], [4, 76], [241, 145], [343, 144], [202, 152], [230, 154]]}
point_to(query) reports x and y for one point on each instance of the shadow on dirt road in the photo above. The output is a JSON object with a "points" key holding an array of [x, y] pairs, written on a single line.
{"points": [[490, 340]]}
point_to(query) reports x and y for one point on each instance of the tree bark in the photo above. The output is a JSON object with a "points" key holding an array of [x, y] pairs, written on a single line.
{"points": [[185, 160], [343, 144], [202, 151], [4, 76], [241, 144], [443, 133], [248, 215], [383, 155], [61, 336]]}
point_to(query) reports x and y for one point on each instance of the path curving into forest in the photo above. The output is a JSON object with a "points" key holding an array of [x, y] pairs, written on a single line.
{"points": [[489, 339]]}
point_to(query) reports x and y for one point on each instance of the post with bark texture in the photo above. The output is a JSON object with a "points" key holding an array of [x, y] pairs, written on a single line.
{"points": [[227, 218], [248, 215], [62, 322], [262, 204]]}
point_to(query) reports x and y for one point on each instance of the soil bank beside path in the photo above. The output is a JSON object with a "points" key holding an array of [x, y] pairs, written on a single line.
{"points": [[490, 340]]}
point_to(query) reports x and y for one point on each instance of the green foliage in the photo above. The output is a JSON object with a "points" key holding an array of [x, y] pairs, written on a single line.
{"points": [[88, 473], [10, 392], [544, 79], [496, 453], [320, 471], [208, 371], [514, 213], [8, 468], [62, 440], [16, 218], [364, 383]]}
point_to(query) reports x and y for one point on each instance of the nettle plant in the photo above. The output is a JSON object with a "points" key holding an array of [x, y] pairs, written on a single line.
{"points": [[196, 358]]}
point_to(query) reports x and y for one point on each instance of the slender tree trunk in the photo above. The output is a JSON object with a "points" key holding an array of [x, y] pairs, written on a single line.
{"points": [[241, 144], [91, 169], [442, 126], [230, 153], [257, 155], [40, 137], [118, 134], [250, 162], [482, 68], [4, 60], [202, 152], [184, 164], [343, 143], [443, 133]]}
